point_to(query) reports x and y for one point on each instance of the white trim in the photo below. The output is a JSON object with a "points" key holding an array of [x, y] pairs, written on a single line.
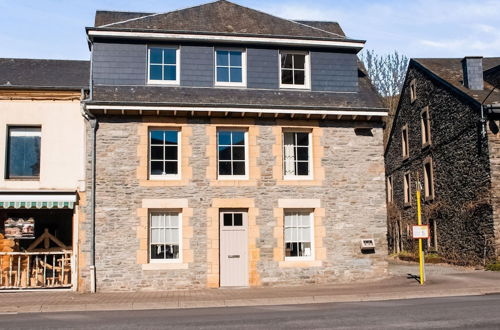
{"points": [[233, 177], [177, 67], [239, 110], [307, 70], [165, 261], [160, 177], [234, 39], [70, 198], [243, 82]]}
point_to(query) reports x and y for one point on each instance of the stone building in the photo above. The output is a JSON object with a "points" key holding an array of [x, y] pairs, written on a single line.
{"points": [[445, 137], [232, 148], [42, 161]]}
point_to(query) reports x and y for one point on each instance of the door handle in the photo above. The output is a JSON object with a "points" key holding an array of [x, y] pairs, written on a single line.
{"points": [[233, 256]]}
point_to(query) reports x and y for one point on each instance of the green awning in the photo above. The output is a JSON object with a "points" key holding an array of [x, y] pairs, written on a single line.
{"points": [[38, 201]]}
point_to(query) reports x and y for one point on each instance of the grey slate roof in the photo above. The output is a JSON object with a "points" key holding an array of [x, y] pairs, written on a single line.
{"points": [[103, 17], [365, 98], [34, 73], [220, 17], [450, 70]]}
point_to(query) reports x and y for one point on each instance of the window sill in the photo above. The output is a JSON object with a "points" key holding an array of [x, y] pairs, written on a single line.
{"points": [[406, 205], [237, 85], [426, 145], [164, 266], [23, 179], [165, 178], [428, 198], [300, 263], [406, 158], [163, 83]]}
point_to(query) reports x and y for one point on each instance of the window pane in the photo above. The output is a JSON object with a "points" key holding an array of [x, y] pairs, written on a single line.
{"points": [[302, 153], [286, 77], [298, 61], [223, 74], [222, 57], [156, 153], [224, 168], [169, 56], [156, 137], [172, 252], [156, 168], [291, 250], [299, 77], [224, 138], [238, 138], [225, 153], [171, 153], [170, 167], [238, 219], [238, 168], [302, 168], [157, 220], [156, 236], [305, 249], [235, 59], [228, 219], [303, 139], [157, 251], [155, 55], [174, 220], [236, 75], [171, 137], [239, 153], [24, 152], [286, 61], [170, 72], [155, 72]]}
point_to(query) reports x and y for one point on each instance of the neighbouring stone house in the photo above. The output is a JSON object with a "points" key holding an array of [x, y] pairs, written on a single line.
{"points": [[42, 185], [232, 148], [445, 136]]}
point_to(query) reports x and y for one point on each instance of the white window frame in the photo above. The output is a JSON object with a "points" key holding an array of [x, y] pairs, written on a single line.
{"points": [[165, 261], [312, 232], [310, 160], [179, 159], [428, 180], [243, 82], [307, 70], [405, 142], [425, 125], [232, 177], [177, 66], [390, 189], [407, 188], [22, 130]]}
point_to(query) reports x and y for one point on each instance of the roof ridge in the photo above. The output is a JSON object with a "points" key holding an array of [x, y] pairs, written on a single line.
{"points": [[156, 14]]}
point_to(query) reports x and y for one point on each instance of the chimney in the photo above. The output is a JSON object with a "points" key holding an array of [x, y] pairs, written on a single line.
{"points": [[472, 67]]}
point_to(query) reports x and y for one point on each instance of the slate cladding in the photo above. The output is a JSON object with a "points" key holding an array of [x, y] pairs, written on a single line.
{"points": [[34, 73], [464, 154]]}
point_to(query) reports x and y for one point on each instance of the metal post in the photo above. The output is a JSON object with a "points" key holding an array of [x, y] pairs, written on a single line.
{"points": [[420, 243]]}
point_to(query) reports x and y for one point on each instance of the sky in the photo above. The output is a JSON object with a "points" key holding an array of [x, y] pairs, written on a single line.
{"points": [[415, 28]]}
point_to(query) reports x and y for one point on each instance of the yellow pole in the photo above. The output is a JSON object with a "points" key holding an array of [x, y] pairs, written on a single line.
{"points": [[420, 248]]}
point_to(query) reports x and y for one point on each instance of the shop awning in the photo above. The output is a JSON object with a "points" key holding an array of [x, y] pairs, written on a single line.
{"points": [[37, 201]]}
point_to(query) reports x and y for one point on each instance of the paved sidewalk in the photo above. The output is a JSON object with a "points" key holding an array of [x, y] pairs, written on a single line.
{"points": [[442, 281]]}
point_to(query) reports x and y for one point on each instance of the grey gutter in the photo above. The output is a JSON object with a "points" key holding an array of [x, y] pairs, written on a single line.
{"points": [[54, 88]]}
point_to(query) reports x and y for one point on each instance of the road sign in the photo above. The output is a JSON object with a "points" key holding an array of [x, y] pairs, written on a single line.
{"points": [[421, 232]]}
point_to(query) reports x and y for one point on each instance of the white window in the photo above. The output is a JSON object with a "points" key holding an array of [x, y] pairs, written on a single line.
{"points": [[390, 193], [405, 147], [294, 70], [232, 154], [164, 154], [425, 126], [407, 188], [413, 90], [428, 180], [23, 153], [299, 233], [297, 155], [165, 237], [230, 67], [163, 65]]}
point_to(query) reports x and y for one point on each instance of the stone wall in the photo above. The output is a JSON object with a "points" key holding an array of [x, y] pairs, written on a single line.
{"points": [[459, 154], [347, 194], [493, 129]]}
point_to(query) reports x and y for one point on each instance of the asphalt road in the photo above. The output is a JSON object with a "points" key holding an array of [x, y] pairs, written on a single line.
{"points": [[476, 312]]}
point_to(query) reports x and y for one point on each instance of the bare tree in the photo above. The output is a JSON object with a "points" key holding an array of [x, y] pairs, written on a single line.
{"points": [[387, 73]]}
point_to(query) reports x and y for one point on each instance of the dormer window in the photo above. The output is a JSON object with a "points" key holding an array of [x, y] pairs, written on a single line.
{"points": [[230, 67], [294, 70], [163, 65]]}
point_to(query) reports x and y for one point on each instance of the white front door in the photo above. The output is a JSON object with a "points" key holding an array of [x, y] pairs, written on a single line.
{"points": [[233, 248]]}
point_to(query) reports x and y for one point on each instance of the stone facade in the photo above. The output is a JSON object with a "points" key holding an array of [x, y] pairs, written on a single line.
{"points": [[346, 195], [460, 210]]}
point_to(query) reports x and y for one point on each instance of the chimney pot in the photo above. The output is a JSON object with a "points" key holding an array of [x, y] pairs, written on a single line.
{"points": [[472, 67]]}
